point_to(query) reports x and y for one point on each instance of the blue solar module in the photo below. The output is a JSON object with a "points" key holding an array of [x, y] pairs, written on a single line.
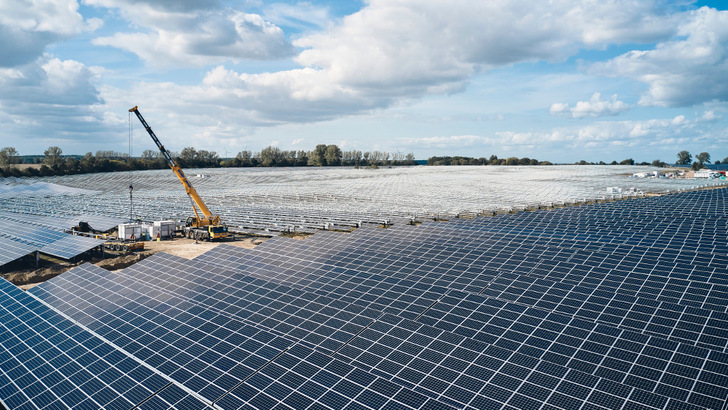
{"points": [[45, 240], [467, 372], [55, 363], [71, 246], [60, 223], [164, 331], [672, 321], [679, 371], [578, 364], [230, 351], [304, 378], [11, 250]]}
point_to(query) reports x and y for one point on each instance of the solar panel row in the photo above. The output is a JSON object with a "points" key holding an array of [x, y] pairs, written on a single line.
{"points": [[201, 290], [204, 346], [11, 250], [98, 222], [20, 235], [46, 360]]}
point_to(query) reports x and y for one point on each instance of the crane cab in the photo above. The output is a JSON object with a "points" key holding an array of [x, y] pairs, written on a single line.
{"points": [[196, 229]]}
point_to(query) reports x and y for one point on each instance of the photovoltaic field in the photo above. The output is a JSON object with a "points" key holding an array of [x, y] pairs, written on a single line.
{"points": [[309, 199], [615, 305]]}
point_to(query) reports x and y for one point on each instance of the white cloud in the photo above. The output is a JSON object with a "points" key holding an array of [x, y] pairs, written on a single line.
{"points": [[595, 107], [710, 116], [49, 81], [688, 70], [50, 102], [414, 47], [392, 51], [600, 133], [28, 27], [195, 34], [631, 133]]}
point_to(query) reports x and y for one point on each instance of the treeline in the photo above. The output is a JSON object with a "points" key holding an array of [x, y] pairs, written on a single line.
{"points": [[54, 162], [493, 160], [628, 161], [322, 155]]}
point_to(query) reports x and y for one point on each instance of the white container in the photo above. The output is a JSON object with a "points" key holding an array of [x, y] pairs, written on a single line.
{"points": [[166, 229], [127, 230]]}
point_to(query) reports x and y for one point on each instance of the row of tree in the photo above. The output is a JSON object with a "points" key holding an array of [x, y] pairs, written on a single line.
{"points": [[322, 155], [493, 160], [628, 161], [685, 158], [55, 163]]}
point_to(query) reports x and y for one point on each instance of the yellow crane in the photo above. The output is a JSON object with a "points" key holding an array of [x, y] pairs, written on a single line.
{"points": [[205, 226]]}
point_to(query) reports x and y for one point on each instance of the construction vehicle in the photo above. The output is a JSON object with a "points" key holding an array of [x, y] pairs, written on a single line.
{"points": [[204, 225]]}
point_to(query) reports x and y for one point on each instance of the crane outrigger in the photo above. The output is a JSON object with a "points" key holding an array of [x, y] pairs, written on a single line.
{"points": [[204, 225]]}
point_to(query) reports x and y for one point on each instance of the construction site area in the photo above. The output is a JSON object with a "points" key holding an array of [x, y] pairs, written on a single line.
{"points": [[418, 287]]}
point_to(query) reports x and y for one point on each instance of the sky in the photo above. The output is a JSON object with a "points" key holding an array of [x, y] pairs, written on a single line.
{"points": [[563, 80]]}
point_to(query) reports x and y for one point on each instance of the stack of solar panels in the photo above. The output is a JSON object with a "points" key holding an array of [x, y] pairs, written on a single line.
{"points": [[616, 305]]}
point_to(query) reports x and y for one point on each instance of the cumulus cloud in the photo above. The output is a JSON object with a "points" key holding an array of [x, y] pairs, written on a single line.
{"points": [[710, 116], [420, 47], [595, 107], [606, 133], [50, 97], [402, 50], [28, 27], [688, 70], [195, 33], [50, 81]]}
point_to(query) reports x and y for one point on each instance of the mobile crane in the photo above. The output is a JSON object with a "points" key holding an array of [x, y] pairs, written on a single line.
{"points": [[206, 226]]}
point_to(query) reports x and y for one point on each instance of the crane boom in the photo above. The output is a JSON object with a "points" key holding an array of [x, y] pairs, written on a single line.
{"points": [[207, 217]]}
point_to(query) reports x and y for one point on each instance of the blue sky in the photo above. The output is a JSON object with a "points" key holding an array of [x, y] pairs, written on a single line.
{"points": [[559, 81]]}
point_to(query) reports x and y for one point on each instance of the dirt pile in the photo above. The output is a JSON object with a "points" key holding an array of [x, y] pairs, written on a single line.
{"points": [[35, 276]]}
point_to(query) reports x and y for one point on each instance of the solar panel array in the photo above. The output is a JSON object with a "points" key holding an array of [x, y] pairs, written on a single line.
{"points": [[23, 234], [307, 199], [614, 305]]}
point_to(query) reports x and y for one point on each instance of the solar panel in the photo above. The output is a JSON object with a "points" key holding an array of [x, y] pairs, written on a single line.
{"points": [[672, 321], [12, 250], [164, 332], [62, 222], [51, 361], [20, 236], [607, 369], [204, 349], [676, 370], [98, 222], [468, 372], [304, 378], [71, 246]]}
